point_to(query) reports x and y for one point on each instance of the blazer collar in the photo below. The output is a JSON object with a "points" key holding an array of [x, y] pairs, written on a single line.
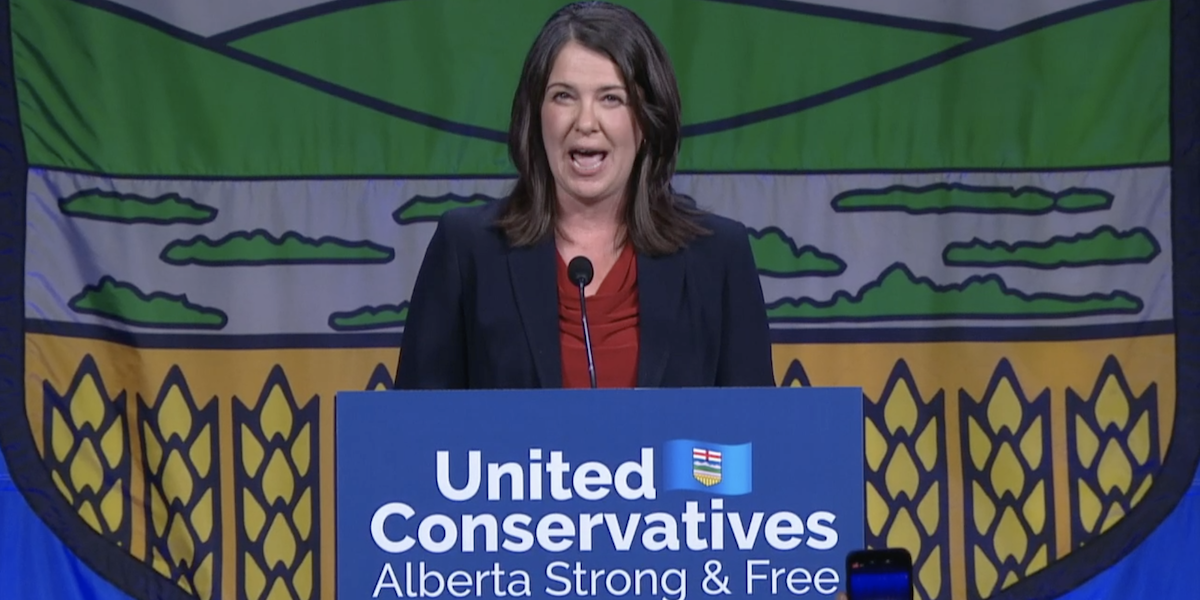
{"points": [[660, 287], [534, 282]]}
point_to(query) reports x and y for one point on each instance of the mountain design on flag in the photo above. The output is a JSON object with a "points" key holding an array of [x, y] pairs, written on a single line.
{"points": [[706, 466]]}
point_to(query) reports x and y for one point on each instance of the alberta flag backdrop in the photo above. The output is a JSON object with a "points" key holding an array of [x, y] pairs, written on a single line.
{"points": [[984, 213]]}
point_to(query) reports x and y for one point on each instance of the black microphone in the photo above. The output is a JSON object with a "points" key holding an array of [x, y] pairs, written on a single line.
{"points": [[580, 271]]}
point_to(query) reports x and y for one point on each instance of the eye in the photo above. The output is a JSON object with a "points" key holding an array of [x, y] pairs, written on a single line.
{"points": [[613, 98]]}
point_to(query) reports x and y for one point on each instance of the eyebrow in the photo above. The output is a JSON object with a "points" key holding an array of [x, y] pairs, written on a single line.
{"points": [[607, 88]]}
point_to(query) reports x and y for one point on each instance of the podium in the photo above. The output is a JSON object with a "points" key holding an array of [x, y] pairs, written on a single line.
{"points": [[642, 493]]}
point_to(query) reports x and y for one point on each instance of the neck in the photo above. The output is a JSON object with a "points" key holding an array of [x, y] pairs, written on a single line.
{"points": [[586, 223]]}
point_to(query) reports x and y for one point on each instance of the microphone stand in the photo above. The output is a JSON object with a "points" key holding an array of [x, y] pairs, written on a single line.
{"points": [[587, 335]]}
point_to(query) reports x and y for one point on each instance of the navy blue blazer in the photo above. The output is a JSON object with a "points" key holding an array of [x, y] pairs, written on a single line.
{"points": [[484, 315]]}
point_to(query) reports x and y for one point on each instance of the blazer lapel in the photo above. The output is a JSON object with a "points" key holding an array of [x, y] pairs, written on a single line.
{"points": [[660, 286], [534, 281]]}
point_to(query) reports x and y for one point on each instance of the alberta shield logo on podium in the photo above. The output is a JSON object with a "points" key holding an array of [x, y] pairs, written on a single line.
{"points": [[634, 493], [707, 469], [722, 469]]}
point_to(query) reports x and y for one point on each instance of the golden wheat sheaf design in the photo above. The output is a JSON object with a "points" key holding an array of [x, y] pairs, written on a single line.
{"points": [[182, 484], [277, 478], [1114, 450], [1007, 478], [86, 450], [204, 465], [988, 463], [906, 476]]}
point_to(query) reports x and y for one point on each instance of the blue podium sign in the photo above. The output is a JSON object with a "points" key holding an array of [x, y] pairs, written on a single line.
{"points": [[669, 494]]}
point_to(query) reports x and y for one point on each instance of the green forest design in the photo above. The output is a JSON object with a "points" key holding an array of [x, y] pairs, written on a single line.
{"points": [[777, 255], [125, 303], [898, 294], [1102, 246], [116, 207], [941, 198], [258, 248], [370, 317], [428, 209]]}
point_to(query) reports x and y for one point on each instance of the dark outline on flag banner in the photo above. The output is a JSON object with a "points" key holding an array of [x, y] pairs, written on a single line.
{"points": [[390, 337], [390, 177], [1183, 450], [28, 472]]}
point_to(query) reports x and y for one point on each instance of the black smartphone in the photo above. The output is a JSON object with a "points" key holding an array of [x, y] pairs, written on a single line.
{"points": [[884, 574]]}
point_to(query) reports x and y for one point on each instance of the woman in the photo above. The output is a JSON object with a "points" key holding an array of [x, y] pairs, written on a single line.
{"points": [[674, 300]]}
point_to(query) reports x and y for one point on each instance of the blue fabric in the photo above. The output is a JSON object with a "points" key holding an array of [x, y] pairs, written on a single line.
{"points": [[1163, 567], [34, 564]]}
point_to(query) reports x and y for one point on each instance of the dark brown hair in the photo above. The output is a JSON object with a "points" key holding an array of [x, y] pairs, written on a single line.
{"points": [[657, 220]]}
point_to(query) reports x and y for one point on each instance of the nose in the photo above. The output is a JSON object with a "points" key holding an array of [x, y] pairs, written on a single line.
{"points": [[585, 120]]}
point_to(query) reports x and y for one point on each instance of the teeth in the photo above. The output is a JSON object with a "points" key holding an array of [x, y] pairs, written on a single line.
{"points": [[587, 159]]}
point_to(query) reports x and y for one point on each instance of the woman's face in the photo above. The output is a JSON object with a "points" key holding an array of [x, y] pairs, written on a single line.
{"points": [[588, 127]]}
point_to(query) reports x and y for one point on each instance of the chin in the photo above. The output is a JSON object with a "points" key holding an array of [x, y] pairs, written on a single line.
{"points": [[592, 194]]}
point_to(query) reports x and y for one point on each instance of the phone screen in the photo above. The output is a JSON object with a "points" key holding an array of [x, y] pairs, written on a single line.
{"points": [[882, 574], [880, 585]]}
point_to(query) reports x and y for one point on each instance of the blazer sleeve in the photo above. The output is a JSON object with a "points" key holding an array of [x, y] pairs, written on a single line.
{"points": [[745, 359], [433, 349]]}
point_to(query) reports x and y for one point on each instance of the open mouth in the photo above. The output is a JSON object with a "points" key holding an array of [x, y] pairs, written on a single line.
{"points": [[588, 161]]}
